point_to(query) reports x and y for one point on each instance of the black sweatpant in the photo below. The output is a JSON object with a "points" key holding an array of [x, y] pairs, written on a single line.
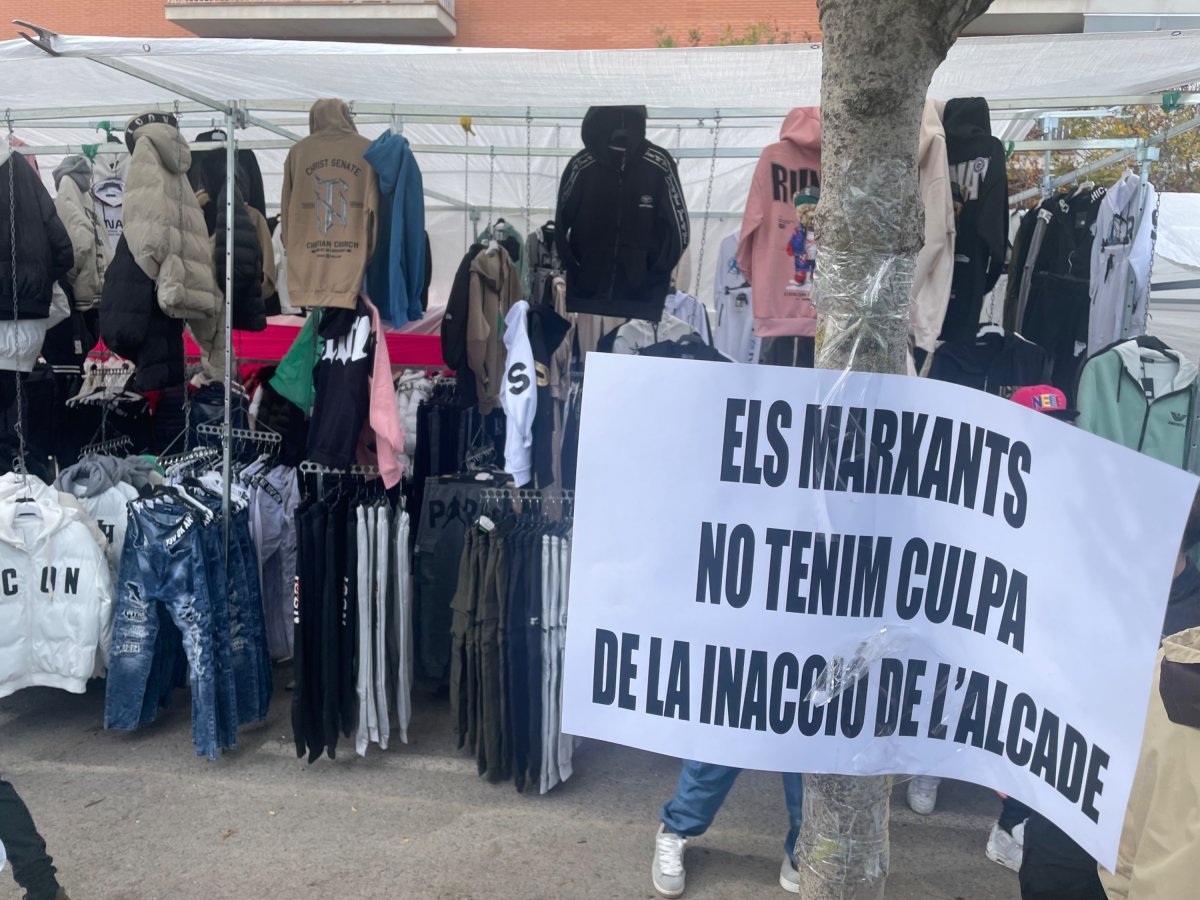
{"points": [[32, 867], [307, 700], [332, 598], [533, 651], [347, 674], [1054, 867], [518, 657]]}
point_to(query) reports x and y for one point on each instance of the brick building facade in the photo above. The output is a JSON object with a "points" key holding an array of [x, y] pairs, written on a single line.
{"points": [[599, 24]]}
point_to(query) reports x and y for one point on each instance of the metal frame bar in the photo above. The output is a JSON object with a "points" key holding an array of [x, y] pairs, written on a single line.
{"points": [[1152, 141], [682, 117], [231, 123], [747, 152]]}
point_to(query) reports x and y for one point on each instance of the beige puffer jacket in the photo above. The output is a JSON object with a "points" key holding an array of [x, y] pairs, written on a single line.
{"points": [[89, 236], [165, 229], [1158, 858]]}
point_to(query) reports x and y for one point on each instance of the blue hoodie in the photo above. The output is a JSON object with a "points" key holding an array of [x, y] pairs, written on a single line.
{"points": [[396, 274]]}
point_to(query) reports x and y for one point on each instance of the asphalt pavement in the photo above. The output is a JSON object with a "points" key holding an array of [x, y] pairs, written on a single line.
{"points": [[139, 817]]}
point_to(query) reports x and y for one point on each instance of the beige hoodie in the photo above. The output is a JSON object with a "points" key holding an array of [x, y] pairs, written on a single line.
{"points": [[328, 210], [495, 286], [935, 263]]}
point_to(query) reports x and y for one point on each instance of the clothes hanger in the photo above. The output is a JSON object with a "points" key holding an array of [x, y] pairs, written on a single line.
{"points": [[989, 328]]}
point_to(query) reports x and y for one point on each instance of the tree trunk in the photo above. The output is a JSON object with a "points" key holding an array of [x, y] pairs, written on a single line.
{"points": [[878, 59]]}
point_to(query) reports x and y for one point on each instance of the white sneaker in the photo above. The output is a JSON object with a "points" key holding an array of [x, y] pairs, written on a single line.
{"points": [[922, 794], [667, 871], [1007, 849], [789, 878]]}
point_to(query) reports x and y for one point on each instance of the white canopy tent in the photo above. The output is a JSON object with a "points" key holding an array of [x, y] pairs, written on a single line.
{"points": [[1175, 278], [526, 106], [715, 108]]}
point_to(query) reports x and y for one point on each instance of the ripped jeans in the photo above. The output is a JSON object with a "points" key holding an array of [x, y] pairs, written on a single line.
{"points": [[163, 566]]}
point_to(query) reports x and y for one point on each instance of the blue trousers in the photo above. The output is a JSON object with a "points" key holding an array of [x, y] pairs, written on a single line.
{"points": [[701, 791]]}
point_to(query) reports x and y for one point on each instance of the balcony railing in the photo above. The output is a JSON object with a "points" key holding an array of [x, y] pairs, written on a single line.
{"points": [[447, 5], [330, 19]]}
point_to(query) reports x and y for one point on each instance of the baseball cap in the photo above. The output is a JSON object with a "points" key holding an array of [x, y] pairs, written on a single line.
{"points": [[1047, 399]]}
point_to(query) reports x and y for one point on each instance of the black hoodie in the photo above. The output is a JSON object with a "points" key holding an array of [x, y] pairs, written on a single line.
{"points": [[37, 238], [622, 221], [979, 185]]}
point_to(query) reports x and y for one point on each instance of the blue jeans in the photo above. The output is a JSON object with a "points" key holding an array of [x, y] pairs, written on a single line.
{"points": [[238, 620], [701, 791], [162, 564], [250, 620]]}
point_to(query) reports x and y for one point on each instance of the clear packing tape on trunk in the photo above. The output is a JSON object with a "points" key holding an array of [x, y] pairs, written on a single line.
{"points": [[842, 850], [863, 284]]}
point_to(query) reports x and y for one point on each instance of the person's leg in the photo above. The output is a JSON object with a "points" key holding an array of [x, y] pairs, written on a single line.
{"points": [[1012, 814], [922, 793], [32, 867], [793, 795], [701, 792]]}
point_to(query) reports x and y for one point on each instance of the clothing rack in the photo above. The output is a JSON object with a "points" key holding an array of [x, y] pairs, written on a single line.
{"points": [[200, 454], [107, 448], [540, 502], [268, 438], [355, 471]]}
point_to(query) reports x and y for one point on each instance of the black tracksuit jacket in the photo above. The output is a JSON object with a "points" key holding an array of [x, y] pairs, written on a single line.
{"points": [[622, 221]]}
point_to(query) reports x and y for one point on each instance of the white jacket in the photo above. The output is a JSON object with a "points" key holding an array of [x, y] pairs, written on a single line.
{"points": [[412, 389], [518, 395], [1118, 256], [21, 339], [56, 597]]}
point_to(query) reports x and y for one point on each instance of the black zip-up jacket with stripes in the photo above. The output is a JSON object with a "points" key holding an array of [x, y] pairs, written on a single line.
{"points": [[622, 221]]}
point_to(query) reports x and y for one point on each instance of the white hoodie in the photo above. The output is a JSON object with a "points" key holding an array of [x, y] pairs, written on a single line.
{"points": [[96, 484], [108, 190], [1119, 256], [935, 263], [412, 389], [56, 597], [519, 395]]}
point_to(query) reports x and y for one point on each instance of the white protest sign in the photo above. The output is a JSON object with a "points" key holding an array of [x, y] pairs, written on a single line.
{"points": [[737, 527]]}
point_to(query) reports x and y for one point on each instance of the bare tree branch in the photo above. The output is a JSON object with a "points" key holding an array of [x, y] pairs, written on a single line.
{"points": [[968, 12]]}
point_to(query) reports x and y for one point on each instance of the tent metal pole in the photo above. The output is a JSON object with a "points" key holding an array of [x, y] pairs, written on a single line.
{"points": [[414, 112], [231, 123], [176, 88]]}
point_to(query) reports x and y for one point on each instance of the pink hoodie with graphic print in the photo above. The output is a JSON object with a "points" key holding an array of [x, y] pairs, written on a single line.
{"points": [[771, 253]]}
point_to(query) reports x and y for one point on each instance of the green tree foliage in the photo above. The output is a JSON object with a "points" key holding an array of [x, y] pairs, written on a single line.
{"points": [[1177, 169], [764, 31]]}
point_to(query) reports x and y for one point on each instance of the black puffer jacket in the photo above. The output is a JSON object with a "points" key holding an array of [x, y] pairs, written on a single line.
{"points": [[133, 326], [43, 247], [622, 221], [249, 311]]}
